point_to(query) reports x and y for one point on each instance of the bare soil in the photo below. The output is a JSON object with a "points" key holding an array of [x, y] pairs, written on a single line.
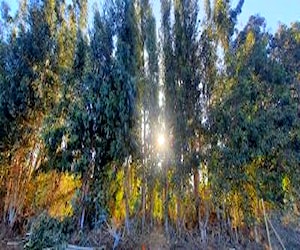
{"points": [[156, 240]]}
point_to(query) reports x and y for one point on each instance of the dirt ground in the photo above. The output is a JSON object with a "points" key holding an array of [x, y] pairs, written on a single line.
{"points": [[287, 229], [155, 241]]}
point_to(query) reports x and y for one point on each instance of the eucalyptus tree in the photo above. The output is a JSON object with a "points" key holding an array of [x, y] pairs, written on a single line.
{"points": [[187, 80], [208, 77], [87, 131], [148, 89], [285, 49], [6, 125], [170, 107], [253, 120], [27, 98], [36, 71], [126, 72], [101, 121]]}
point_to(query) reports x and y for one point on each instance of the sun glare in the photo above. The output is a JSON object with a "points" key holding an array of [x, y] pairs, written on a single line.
{"points": [[161, 140]]}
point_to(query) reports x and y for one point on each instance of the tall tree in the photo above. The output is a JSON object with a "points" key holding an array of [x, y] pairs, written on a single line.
{"points": [[127, 65], [27, 98], [187, 93], [251, 127], [170, 108], [87, 131], [149, 98]]}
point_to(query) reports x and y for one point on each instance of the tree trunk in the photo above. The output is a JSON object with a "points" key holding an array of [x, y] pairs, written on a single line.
{"points": [[178, 219], [85, 190], [82, 218], [151, 197], [166, 207], [196, 195], [143, 202], [126, 191], [144, 173]]}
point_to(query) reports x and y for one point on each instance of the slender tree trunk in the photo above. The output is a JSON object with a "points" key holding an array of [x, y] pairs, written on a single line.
{"points": [[82, 217], [144, 174], [203, 223], [19, 175], [166, 207], [126, 191], [151, 197], [178, 214], [87, 180], [196, 195], [143, 202], [85, 190]]}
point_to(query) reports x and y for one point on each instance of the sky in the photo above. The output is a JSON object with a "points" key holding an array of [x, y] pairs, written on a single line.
{"points": [[274, 11]]}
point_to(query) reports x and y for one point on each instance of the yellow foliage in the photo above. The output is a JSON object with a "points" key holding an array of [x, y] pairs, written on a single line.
{"points": [[250, 41], [157, 204], [50, 14], [135, 196], [236, 210], [286, 183], [41, 188], [53, 192], [116, 201], [297, 37], [61, 205], [220, 6]]}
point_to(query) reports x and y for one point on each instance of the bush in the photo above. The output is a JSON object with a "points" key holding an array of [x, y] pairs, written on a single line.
{"points": [[48, 232]]}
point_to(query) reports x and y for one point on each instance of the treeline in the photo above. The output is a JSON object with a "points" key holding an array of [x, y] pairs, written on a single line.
{"points": [[82, 107]]}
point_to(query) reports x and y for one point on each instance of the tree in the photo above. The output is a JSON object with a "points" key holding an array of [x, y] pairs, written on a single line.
{"points": [[285, 49], [169, 91], [251, 127], [225, 19], [187, 80], [149, 101], [125, 80], [27, 98], [88, 129]]}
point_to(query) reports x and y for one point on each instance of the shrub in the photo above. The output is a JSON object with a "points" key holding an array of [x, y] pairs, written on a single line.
{"points": [[48, 232]]}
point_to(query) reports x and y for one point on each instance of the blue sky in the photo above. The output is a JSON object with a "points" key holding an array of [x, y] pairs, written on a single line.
{"points": [[274, 11]]}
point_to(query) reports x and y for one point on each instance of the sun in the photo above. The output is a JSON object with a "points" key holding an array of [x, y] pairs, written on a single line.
{"points": [[161, 140]]}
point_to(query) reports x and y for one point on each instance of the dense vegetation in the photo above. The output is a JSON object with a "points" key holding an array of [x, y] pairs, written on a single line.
{"points": [[197, 128]]}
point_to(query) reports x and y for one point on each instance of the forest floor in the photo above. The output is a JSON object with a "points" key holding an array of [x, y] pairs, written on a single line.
{"points": [[287, 229], [155, 240]]}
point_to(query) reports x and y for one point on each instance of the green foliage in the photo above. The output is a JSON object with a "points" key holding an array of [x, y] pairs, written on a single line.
{"points": [[86, 103], [255, 118], [225, 19], [285, 47], [47, 232]]}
